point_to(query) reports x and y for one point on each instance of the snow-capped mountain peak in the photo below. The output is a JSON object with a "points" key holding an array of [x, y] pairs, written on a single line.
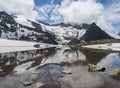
{"points": [[22, 20], [19, 27]]}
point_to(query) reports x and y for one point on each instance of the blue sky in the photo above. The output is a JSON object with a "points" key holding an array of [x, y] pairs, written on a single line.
{"points": [[105, 13], [104, 2], [108, 7], [43, 2]]}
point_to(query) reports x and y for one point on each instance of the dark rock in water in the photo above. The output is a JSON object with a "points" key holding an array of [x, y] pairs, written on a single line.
{"points": [[61, 76], [95, 68], [37, 45]]}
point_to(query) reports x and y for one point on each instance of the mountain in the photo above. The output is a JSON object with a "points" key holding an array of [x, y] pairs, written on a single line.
{"points": [[71, 34], [17, 27], [95, 33], [119, 33], [11, 29]]}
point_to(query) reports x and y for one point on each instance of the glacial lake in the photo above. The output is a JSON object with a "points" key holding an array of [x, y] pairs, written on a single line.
{"points": [[47, 65]]}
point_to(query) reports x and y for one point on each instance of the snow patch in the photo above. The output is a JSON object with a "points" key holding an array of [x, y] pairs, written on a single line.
{"points": [[108, 46], [63, 34], [15, 45], [22, 20]]}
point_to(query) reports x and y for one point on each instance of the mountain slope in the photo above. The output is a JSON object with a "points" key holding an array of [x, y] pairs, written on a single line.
{"points": [[71, 34], [18, 27], [95, 33], [10, 29]]}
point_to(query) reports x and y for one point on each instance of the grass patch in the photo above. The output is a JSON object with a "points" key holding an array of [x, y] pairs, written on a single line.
{"points": [[103, 41]]}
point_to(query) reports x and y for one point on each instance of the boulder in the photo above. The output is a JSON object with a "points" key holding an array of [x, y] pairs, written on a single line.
{"points": [[37, 85], [67, 72], [26, 83], [95, 68], [35, 72], [114, 72]]}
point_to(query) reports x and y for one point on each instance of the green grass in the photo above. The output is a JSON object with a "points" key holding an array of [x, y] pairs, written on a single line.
{"points": [[99, 50], [104, 41]]}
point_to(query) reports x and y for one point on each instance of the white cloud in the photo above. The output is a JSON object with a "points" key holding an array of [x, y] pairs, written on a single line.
{"points": [[113, 12], [21, 7], [107, 26], [69, 11], [55, 15], [81, 11], [110, 16], [44, 11], [72, 11], [52, 1], [50, 12]]}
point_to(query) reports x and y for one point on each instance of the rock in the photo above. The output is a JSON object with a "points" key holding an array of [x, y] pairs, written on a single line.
{"points": [[67, 72], [61, 76], [95, 68], [37, 45], [26, 83], [114, 72], [37, 85], [35, 73]]}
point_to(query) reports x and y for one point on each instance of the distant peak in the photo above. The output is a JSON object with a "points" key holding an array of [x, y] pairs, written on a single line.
{"points": [[4, 13], [43, 22], [6, 18], [93, 24]]}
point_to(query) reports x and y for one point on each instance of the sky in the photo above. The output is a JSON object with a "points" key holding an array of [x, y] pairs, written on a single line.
{"points": [[105, 13]]}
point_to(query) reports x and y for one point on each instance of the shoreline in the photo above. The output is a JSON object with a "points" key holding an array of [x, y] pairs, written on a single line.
{"points": [[107, 46]]}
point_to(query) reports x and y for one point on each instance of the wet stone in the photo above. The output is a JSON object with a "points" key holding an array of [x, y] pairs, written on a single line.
{"points": [[37, 85], [26, 83], [114, 72], [35, 73], [95, 68], [67, 72], [61, 76]]}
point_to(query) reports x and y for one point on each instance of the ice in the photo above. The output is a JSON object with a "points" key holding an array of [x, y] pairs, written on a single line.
{"points": [[17, 45]]}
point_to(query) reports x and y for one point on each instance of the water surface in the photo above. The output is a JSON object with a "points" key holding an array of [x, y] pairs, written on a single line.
{"points": [[17, 67]]}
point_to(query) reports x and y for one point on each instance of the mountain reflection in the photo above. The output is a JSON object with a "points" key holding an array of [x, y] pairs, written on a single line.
{"points": [[49, 64], [10, 62]]}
